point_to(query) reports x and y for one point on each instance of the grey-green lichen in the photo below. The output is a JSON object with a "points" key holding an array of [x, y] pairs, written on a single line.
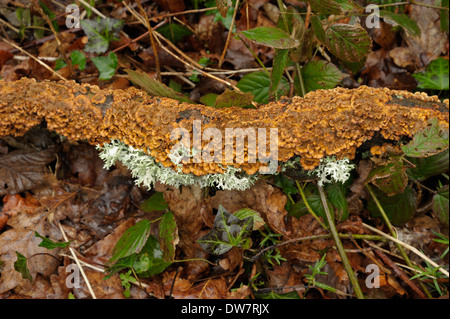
{"points": [[147, 171]]}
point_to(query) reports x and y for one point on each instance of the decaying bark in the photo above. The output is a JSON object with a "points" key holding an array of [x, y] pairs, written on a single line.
{"points": [[324, 123]]}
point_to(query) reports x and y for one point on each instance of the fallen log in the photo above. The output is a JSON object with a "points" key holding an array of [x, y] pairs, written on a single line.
{"points": [[323, 123]]}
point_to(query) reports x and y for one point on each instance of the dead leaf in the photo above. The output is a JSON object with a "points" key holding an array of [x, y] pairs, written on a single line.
{"points": [[24, 170]]}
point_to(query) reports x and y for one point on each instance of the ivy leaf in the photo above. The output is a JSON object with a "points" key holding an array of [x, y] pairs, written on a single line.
{"points": [[106, 65], [244, 213], [272, 37], [168, 234], [153, 87], [20, 265], [228, 232], [132, 241], [321, 75], [154, 202], [427, 142], [100, 33], [50, 244], [440, 205], [435, 77], [78, 58], [259, 83], [348, 42]]}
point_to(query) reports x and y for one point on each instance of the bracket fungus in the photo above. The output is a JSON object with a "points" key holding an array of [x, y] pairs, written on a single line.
{"points": [[133, 127]]}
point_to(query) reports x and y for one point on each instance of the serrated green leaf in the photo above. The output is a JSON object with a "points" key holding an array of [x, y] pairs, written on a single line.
{"points": [[427, 142], [398, 208], [20, 265], [279, 63], [228, 232], [321, 75], [233, 98], [426, 167], [168, 236], [174, 32], [440, 205], [348, 42], [244, 213], [50, 244], [100, 33], [435, 77], [78, 58], [391, 178], [401, 19], [153, 87], [259, 83], [272, 37], [154, 202], [325, 6], [318, 28], [132, 241], [106, 66]]}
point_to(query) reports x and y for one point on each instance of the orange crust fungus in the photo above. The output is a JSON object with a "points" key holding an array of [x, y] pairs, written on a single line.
{"points": [[323, 123]]}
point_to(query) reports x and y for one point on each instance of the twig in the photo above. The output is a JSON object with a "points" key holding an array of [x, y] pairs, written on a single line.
{"points": [[409, 247], [222, 57], [400, 273], [340, 248], [34, 58], [78, 264]]}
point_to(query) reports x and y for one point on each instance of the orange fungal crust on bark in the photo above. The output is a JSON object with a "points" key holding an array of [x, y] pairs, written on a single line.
{"points": [[323, 123]]}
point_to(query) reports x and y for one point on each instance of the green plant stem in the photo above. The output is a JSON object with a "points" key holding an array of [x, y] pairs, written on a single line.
{"points": [[302, 194], [254, 55], [340, 248], [394, 234], [298, 68]]}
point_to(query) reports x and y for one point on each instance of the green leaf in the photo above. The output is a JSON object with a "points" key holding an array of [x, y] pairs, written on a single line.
{"points": [[336, 194], [279, 63], [233, 98], [426, 167], [401, 19], [106, 65], [348, 42], [209, 99], [318, 28], [244, 213], [153, 87], [272, 37], [274, 295], [154, 202], [286, 184], [59, 64], [168, 235], [399, 208], [427, 142], [391, 178], [228, 232], [49, 244], [174, 32], [321, 75], [314, 201], [100, 33], [78, 58], [51, 15], [132, 241], [259, 83], [150, 261], [440, 205], [325, 6], [444, 16], [435, 77], [20, 265]]}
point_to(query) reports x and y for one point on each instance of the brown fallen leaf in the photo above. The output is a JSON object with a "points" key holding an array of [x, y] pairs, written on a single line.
{"points": [[24, 170]]}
